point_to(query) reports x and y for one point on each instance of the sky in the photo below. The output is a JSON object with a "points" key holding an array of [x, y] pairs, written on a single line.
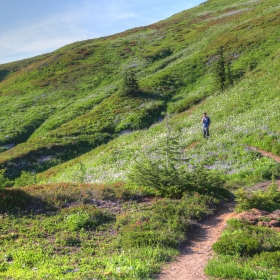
{"points": [[33, 27]]}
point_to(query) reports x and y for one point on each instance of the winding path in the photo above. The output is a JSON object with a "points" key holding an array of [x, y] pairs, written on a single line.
{"points": [[196, 252], [266, 154]]}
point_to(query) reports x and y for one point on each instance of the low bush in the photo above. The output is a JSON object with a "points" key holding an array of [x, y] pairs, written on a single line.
{"points": [[25, 179], [264, 200], [245, 251], [230, 267], [67, 239], [165, 224], [77, 221], [243, 239], [85, 217], [4, 182], [241, 244], [168, 181], [13, 200]]}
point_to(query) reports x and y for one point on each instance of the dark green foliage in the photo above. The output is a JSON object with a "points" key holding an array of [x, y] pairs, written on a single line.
{"points": [[165, 224], [161, 173], [4, 182], [166, 181], [222, 71], [25, 179], [3, 74], [229, 75], [245, 251], [13, 200], [242, 244], [130, 85], [268, 200]]}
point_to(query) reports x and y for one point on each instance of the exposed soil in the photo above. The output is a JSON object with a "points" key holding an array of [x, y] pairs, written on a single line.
{"points": [[266, 154], [262, 218], [196, 252]]}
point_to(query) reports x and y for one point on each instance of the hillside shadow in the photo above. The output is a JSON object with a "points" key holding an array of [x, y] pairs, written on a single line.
{"points": [[151, 96], [18, 202], [3, 74]]}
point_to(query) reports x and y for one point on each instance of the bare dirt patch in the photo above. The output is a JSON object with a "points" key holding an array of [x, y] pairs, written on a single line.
{"points": [[197, 250], [266, 154]]}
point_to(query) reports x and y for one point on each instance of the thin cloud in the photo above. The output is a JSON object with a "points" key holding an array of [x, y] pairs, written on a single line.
{"points": [[46, 35], [78, 21]]}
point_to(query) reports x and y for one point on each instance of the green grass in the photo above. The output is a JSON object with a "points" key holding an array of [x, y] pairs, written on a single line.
{"points": [[67, 103], [246, 252], [59, 232]]}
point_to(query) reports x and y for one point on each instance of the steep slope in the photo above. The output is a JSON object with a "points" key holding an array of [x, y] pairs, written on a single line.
{"points": [[64, 104]]}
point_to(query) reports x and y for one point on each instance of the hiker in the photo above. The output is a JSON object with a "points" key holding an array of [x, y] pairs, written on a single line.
{"points": [[205, 125]]}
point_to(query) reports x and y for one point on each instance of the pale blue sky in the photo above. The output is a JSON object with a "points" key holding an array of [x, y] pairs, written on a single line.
{"points": [[33, 27]]}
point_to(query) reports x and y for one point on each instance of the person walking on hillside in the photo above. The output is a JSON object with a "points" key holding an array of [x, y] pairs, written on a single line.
{"points": [[205, 125]]}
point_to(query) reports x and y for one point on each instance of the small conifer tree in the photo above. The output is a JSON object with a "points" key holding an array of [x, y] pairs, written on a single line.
{"points": [[130, 85], [229, 77], [220, 70], [161, 173]]}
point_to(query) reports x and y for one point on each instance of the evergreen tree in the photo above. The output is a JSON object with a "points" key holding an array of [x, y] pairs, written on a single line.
{"points": [[160, 172], [171, 150], [229, 81], [130, 85], [220, 70]]}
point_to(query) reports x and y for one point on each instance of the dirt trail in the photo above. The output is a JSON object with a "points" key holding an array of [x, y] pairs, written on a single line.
{"points": [[266, 154], [196, 252]]}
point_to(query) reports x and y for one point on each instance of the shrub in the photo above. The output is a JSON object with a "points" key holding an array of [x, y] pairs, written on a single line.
{"points": [[167, 181], [245, 251], [66, 239], [222, 71], [86, 217], [13, 200], [165, 224], [25, 179], [243, 239], [173, 182], [4, 182], [78, 221], [130, 85], [263, 200], [239, 244]]}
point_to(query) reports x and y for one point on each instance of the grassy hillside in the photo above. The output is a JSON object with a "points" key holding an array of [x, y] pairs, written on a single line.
{"points": [[66, 103], [75, 212]]}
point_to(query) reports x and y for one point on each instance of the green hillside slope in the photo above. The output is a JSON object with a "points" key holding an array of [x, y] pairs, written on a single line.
{"points": [[63, 105]]}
